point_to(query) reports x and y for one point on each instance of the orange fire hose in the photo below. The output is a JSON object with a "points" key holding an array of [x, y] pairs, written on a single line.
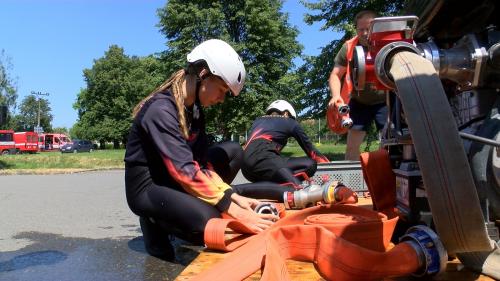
{"points": [[380, 179], [344, 242], [334, 258]]}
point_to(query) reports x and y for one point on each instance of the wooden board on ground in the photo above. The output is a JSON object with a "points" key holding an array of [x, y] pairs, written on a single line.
{"points": [[305, 271]]}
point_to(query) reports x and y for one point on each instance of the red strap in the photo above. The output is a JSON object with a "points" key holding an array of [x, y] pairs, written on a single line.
{"points": [[215, 235], [381, 181], [348, 87], [227, 234], [333, 117]]}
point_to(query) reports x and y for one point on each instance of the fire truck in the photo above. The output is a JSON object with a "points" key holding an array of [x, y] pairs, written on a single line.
{"points": [[26, 142], [7, 144], [52, 141]]}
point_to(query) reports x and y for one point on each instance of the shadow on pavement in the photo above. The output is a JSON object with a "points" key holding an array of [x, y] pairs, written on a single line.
{"points": [[55, 257], [32, 259]]}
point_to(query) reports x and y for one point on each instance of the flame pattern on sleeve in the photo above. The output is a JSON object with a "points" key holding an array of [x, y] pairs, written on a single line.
{"points": [[201, 183]]}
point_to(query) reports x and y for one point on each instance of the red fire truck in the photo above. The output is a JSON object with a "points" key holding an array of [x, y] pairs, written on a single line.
{"points": [[52, 141], [26, 142], [7, 144]]}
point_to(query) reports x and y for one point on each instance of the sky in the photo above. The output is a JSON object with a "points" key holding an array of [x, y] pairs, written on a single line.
{"points": [[50, 42]]}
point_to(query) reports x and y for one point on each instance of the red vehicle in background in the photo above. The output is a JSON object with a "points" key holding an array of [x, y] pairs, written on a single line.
{"points": [[26, 142], [7, 144], [52, 141]]}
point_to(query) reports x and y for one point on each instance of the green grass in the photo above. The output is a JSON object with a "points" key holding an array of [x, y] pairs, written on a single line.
{"points": [[332, 151], [113, 158], [99, 159]]}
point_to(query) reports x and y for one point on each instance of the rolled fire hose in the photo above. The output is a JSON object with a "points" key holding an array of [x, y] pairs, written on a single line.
{"points": [[344, 243], [442, 160], [215, 234]]}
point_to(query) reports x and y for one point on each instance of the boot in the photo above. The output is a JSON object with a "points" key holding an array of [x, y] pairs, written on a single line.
{"points": [[156, 240]]}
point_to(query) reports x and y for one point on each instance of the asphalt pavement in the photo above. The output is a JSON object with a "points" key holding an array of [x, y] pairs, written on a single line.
{"points": [[76, 227]]}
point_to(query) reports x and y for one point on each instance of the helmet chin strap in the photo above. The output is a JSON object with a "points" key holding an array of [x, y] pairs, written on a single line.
{"points": [[197, 92], [197, 103], [200, 78]]}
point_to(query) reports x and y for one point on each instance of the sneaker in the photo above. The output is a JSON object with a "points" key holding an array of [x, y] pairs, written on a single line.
{"points": [[156, 240]]}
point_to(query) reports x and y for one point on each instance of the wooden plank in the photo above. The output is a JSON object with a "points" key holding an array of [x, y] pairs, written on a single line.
{"points": [[455, 271], [305, 271]]}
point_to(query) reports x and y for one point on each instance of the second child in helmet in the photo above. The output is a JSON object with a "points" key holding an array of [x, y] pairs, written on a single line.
{"points": [[269, 134]]}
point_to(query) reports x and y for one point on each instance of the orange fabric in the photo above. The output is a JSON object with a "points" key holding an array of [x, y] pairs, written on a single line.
{"points": [[227, 234], [344, 242], [347, 86], [381, 181], [334, 258], [281, 209], [215, 234], [333, 117]]}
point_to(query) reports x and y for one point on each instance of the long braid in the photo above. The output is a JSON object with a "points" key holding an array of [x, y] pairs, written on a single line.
{"points": [[175, 84]]}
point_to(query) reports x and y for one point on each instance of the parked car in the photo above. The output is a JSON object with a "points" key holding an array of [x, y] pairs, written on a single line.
{"points": [[77, 146]]}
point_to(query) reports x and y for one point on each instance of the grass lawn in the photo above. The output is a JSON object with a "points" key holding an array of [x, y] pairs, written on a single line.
{"points": [[98, 159], [331, 151], [57, 162]]}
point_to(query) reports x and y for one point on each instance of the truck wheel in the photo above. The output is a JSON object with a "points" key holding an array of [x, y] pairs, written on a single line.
{"points": [[5, 152]]}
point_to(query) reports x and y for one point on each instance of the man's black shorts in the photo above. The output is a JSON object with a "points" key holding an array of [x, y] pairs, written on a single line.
{"points": [[362, 115]]}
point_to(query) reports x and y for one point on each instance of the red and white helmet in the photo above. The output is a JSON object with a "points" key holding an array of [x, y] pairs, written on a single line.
{"points": [[223, 61], [282, 106]]}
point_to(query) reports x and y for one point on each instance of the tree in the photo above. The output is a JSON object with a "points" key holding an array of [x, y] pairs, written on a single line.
{"points": [[262, 36], [115, 84], [8, 90], [337, 15], [27, 118], [62, 130]]}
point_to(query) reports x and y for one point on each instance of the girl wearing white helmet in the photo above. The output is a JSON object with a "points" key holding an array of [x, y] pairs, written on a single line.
{"points": [[174, 182], [262, 159]]}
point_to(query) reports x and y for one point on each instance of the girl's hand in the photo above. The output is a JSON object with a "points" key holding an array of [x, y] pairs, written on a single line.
{"points": [[257, 222], [244, 202]]}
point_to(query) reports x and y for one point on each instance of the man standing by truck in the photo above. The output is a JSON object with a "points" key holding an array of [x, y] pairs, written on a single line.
{"points": [[366, 105]]}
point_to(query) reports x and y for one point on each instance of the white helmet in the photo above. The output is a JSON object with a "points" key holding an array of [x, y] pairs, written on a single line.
{"points": [[282, 106], [223, 61]]}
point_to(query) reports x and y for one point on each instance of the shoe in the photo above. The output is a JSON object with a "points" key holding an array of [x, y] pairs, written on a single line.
{"points": [[156, 240]]}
